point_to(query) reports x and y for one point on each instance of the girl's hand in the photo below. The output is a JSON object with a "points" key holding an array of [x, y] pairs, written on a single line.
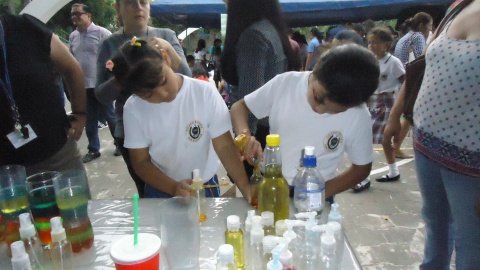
{"points": [[183, 188]]}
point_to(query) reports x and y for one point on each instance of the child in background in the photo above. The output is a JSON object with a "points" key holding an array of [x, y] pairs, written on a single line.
{"points": [[199, 72], [174, 124], [380, 104]]}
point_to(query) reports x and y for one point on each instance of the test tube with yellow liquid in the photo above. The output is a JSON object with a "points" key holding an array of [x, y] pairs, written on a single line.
{"points": [[198, 192]]}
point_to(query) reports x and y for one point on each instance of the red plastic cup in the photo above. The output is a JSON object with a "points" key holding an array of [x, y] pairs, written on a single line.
{"points": [[145, 256]]}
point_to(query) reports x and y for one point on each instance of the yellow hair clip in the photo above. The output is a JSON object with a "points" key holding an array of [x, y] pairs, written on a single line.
{"points": [[135, 42]]}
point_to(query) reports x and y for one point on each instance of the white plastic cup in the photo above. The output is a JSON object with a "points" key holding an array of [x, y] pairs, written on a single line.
{"points": [[145, 255]]}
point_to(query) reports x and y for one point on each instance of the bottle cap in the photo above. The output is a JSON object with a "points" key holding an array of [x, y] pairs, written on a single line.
{"points": [[233, 223], [335, 228], [269, 243], [27, 230], [328, 242], [57, 232], [290, 234], [20, 258], [257, 233], [309, 150], [273, 140], [280, 227], [225, 253], [334, 214], [248, 220], [196, 173], [267, 218]]}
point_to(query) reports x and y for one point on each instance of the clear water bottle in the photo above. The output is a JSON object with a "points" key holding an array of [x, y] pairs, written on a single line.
{"points": [[309, 185]]}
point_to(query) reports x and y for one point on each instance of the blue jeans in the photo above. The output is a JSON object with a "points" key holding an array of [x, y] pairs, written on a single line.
{"points": [[448, 210], [95, 112], [151, 192]]}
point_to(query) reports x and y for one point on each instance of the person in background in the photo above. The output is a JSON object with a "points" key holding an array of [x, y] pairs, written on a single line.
{"points": [[190, 61], [199, 72], [412, 43], [256, 49], [447, 143], [315, 42], [392, 74], [39, 134], [324, 108], [159, 146], [135, 15], [216, 56], [347, 36], [200, 53], [84, 43], [303, 52]]}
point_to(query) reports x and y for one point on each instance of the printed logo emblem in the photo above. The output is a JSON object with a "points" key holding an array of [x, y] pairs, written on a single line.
{"points": [[194, 130], [333, 140]]}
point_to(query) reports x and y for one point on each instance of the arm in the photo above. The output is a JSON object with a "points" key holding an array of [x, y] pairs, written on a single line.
{"points": [[393, 127], [230, 157], [349, 178], [309, 60], [239, 114], [152, 175], [70, 70]]}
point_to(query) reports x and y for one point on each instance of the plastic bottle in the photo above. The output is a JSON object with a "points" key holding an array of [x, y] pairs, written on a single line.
{"points": [[280, 227], [256, 248], [225, 257], [328, 258], [336, 229], [246, 236], [309, 185], [20, 259], [274, 263], [61, 251], [309, 257], [286, 257], [234, 237], [268, 223], [255, 180], [273, 191], [198, 192], [295, 242], [269, 243], [335, 214], [32, 243]]}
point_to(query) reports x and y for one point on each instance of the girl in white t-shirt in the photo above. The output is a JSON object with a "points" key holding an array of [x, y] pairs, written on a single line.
{"points": [[173, 125], [380, 104]]}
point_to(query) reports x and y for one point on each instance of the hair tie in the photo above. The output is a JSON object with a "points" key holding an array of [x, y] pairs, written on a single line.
{"points": [[135, 42], [109, 65]]}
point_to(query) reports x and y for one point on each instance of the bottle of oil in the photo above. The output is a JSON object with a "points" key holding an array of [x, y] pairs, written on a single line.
{"points": [[234, 237], [255, 180], [198, 192], [273, 190]]}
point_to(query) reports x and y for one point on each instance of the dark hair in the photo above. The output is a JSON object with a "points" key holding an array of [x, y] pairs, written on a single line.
{"points": [[350, 35], [138, 67], [349, 74], [242, 14], [190, 58], [333, 30], [199, 70], [299, 38], [382, 34], [201, 44], [419, 18], [316, 33], [217, 42], [85, 8]]}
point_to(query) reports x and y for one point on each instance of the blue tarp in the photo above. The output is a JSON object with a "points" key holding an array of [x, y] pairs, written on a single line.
{"points": [[298, 12]]}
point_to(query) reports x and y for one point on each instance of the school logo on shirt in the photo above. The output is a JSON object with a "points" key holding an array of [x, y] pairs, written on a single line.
{"points": [[333, 140], [194, 130]]}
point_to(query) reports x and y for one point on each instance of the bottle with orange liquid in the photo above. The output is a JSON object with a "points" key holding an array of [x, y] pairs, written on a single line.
{"points": [[198, 192]]}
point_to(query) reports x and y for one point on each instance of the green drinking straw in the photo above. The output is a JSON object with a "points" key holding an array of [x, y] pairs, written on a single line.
{"points": [[135, 219]]}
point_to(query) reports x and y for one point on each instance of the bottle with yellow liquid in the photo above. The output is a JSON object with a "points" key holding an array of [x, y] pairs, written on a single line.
{"points": [[234, 237], [273, 191], [255, 180], [198, 192]]}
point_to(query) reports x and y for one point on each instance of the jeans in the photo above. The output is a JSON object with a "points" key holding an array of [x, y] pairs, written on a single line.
{"points": [[210, 192], [95, 112], [448, 210]]}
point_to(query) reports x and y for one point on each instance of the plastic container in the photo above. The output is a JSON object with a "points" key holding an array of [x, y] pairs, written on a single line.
{"points": [[144, 256], [198, 192], [20, 259], [32, 243], [309, 185], [225, 258], [61, 249], [268, 223], [234, 237]]}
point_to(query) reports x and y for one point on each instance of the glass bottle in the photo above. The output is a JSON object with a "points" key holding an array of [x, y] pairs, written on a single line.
{"points": [[273, 191]]}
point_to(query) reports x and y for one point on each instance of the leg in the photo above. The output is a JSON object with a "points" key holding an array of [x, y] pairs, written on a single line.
{"points": [[463, 193], [436, 214], [91, 128], [108, 113], [403, 133]]}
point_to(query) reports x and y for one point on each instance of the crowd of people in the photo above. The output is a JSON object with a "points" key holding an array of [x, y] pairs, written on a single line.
{"points": [[342, 91]]}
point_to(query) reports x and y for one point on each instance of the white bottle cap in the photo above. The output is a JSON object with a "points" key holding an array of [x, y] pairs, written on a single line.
{"points": [[225, 254], [57, 232], [233, 223], [27, 230], [335, 228], [196, 173], [269, 243], [280, 227], [20, 259], [267, 218], [328, 242], [309, 150], [257, 233]]}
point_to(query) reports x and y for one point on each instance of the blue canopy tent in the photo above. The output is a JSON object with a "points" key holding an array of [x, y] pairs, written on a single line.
{"points": [[205, 13]]}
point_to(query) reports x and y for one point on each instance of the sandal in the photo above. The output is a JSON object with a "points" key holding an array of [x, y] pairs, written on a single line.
{"points": [[387, 178], [361, 187]]}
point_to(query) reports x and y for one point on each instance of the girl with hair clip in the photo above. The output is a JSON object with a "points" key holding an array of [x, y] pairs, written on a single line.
{"points": [[256, 49], [173, 125]]}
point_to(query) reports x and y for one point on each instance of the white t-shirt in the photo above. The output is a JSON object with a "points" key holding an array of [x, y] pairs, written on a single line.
{"points": [[179, 134], [391, 68], [200, 55], [284, 100]]}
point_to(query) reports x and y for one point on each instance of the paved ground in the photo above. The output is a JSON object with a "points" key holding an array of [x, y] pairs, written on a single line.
{"points": [[383, 224]]}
